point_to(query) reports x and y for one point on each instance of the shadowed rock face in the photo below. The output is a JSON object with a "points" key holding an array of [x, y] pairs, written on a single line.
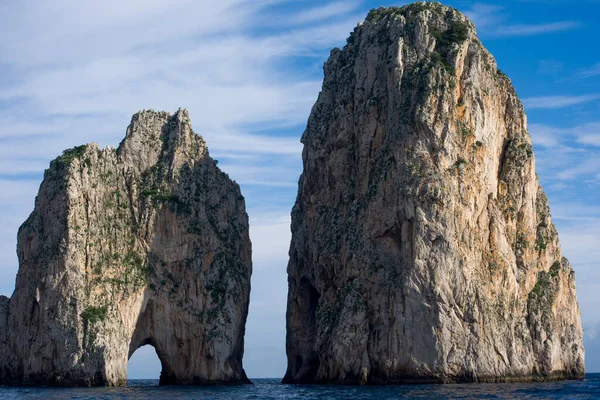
{"points": [[146, 244], [422, 246]]}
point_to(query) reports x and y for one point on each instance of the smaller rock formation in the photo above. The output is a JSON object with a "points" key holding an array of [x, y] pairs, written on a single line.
{"points": [[145, 244], [422, 244]]}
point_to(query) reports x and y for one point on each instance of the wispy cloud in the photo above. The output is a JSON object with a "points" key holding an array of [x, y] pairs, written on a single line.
{"points": [[543, 135], [555, 102], [589, 72], [484, 15], [589, 166], [592, 139], [235, 142], [321, 13], [552, 136], [216, 59], [284, 174], [568, 158], [273, 236], [490, 21], [535, 29], [550, 67]]}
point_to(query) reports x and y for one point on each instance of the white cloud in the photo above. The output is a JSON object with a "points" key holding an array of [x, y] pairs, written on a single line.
{"points": [[490, 21], [580, 241], [550, 67], [589, 166], [59, 31], [224, 67], [279, 175], [591, 139], [555, 102], [550, 136], [271, 241], [322, 13], [567, 155], [576, 212], [589, 72], [543, 135], [235, 142], [484, 15], [535, 29]]}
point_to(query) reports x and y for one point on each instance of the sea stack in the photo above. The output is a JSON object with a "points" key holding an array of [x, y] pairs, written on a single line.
{"points": [[145, 244], [422, 245]]}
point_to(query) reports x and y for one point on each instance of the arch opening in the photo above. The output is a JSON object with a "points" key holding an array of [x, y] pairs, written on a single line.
{"points": [[144, 366]]}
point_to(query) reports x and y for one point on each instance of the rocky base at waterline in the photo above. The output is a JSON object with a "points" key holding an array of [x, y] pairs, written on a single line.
{"points": [[145, 244], [422, 244]]}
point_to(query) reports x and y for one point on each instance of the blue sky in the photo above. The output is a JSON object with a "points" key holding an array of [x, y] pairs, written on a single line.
{"points": [[73, 72]]}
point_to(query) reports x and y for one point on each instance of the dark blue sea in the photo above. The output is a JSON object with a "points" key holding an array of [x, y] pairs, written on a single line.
{"points": [[272, 389]]}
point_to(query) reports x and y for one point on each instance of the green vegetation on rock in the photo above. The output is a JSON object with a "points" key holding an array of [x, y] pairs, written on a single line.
{"points": [[69, 155], [92, 315], [543, 292], [456, 34]]}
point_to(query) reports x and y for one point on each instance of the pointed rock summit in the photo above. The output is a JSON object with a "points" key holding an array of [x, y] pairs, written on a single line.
{"points": [[146, 244], [422, 245]]}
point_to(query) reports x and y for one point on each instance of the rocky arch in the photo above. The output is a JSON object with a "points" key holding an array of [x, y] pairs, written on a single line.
{"points": [[167, 375], [147, 243]]}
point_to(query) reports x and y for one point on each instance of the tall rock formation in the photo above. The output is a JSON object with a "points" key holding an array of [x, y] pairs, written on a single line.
{"points": [[145, 244], [422, 246]]}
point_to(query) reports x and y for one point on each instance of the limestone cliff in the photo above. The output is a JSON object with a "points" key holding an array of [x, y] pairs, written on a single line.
{"points": [[422, 246], [145, 244]]}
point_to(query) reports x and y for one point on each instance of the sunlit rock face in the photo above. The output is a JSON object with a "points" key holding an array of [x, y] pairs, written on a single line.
{"points": [[422, 245], [145, 244]]}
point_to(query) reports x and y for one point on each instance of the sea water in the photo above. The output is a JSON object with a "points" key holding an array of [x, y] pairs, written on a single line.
{"points": [[272, 389]]}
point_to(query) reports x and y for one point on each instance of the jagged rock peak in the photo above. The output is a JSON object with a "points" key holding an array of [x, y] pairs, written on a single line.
{"points": [[422, 244], [437, 16], [178, 125], [146, 244], [418, 24]]}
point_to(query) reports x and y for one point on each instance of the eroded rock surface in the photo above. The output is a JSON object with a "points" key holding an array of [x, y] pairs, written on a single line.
{"points": [[145, 244], [422, 246]]}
